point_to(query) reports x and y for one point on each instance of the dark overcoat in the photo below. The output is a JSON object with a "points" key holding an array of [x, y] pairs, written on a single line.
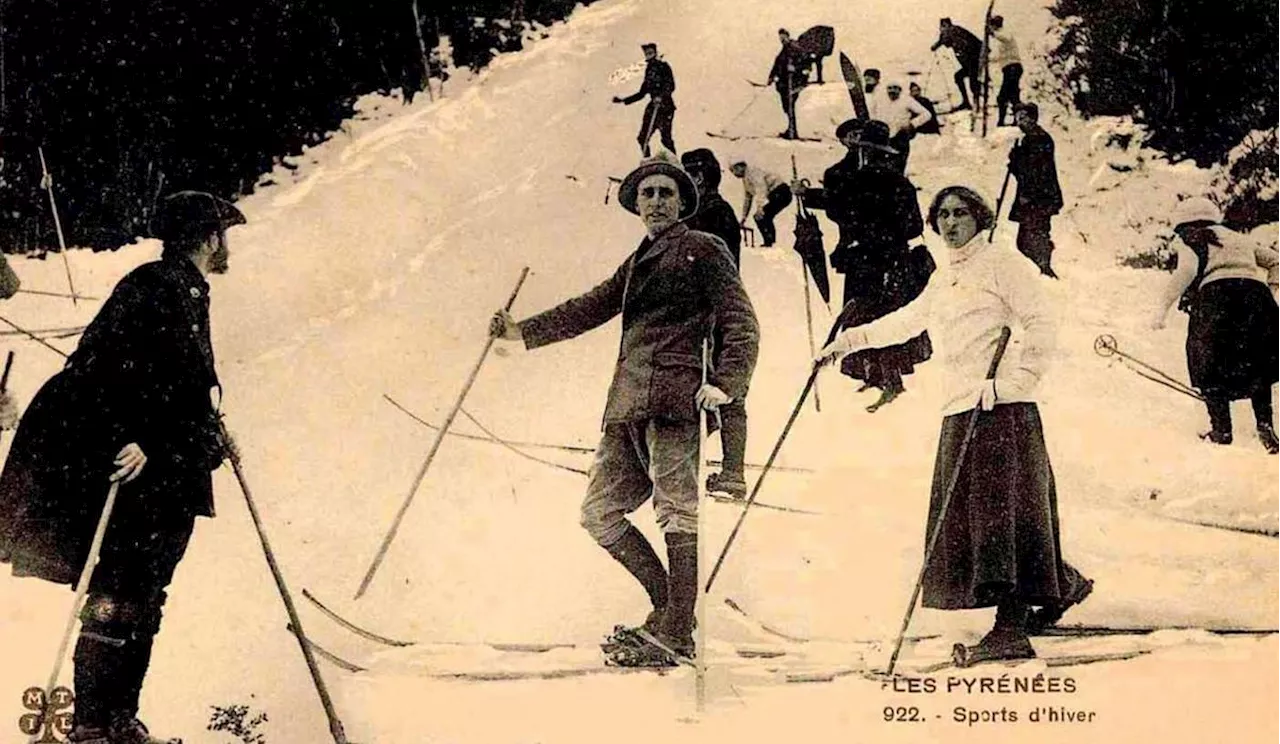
{"points": [[1032, 163], [142, 373], [716, 217], [673, 292]]}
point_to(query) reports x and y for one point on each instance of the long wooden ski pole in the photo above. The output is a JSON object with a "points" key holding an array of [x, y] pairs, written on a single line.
{"points": [[82, 588], [435, 447], [808, 309], [335, 724], [47, 180], [1004, 189], [700, 669], [1001, 345]]}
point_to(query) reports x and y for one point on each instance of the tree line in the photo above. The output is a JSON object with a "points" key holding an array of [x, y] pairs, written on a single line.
{"points": [[129, 99]]}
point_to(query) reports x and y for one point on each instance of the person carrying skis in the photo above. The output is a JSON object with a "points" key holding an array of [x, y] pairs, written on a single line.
{"points": [[999, 542], [678, 288], [1039, 197], [1227, 285], [768, 191], [716, 217], [789, 75], [659, 114], [132, 405], [876, 211], [903, 115], [1005, 55], [968, 51]]}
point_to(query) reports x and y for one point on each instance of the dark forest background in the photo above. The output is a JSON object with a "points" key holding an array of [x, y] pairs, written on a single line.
{"points": [[132, 98]]}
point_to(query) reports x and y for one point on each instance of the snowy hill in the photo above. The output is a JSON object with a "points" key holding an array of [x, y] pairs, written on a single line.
{"points": [[374, 271]]}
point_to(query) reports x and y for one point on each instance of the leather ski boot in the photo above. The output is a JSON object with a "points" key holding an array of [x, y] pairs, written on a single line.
{"points": [[1049, 615], [132, 731], [86, 734], [636, 555], [1007, 641], [673, 643], [734, 486]]}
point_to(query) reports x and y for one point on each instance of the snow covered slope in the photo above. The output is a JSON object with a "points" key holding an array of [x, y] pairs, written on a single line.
{"points": [[374, 271]]}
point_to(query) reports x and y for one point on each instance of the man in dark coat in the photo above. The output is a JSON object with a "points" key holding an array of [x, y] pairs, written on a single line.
{"points": [[1039, 196], [133, 405], [968, 50], [932, 126], [677, 289], [789, 75], [876, 211], [659, 114], [716, 217]]}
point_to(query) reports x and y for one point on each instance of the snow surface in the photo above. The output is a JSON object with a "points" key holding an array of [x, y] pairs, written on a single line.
{"points": [[373, 270]]}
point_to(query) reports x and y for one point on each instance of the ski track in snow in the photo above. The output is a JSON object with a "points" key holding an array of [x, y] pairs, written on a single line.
{"points": [[374, 268]]}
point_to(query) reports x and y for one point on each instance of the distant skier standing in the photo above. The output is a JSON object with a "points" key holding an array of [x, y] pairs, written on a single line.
{"points": [[659, 114], [716, 217], [132, 405], [678, 288], [789, 75], [1227, 284], [870, 81], [1039, 196], [968, 51], [999, 542], [876, 210], [768, 191], [1004, 48]]}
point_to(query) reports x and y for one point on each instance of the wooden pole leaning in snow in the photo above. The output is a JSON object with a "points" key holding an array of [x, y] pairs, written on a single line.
{"points": [[82, 588], [295, 624], [954, 477], [46, 180], [435, 447]]}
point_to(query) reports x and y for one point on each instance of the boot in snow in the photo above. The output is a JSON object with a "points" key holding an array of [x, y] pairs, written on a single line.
{"points": [[1001, 644], [133, 731], [733, 485], [1049, 615], [887, 396], [1217, 437], [86, 734]]}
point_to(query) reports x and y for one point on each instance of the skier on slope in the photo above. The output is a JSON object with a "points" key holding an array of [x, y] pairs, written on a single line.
{"points": [[1227, 284], [968, 51], [1004, 55], [789, 75], [999, 542], [765, 189], [132, 405], [1039, 196], [675, 290], [659, 114], [875, 207], [903, 115], [716, 217]]}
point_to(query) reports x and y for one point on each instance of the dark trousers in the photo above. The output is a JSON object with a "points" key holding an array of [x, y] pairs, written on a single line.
{"points": [[902, 143], [777, 201], [1220, 409], [1010, 94], [733, 438], [659, 116], [1035, 242], [968, 73], [122, 612], [787, 97]]}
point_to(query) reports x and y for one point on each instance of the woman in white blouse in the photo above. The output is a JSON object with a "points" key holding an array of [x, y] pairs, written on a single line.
{"points": [[1227, 283], [999, 543]]}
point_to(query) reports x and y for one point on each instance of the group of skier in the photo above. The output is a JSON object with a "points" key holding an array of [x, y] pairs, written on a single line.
{"points": [[132, 406]]}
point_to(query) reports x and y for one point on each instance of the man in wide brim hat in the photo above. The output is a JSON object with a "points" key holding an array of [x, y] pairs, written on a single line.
{"points": [[659, 164], [677, 289]]}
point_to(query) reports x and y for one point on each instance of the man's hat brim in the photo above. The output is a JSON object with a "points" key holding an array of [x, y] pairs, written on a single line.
{"points": [[627, 191], [194, 215]]}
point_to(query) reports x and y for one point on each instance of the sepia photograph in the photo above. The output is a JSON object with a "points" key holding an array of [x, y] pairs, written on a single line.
{"points": [[638, 371]]}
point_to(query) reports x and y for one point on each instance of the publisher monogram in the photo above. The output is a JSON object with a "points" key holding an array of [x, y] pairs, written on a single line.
{"points": [[51, 723]]}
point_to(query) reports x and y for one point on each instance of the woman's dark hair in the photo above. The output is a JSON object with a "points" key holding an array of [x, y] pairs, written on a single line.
{"points": [[982, 213]]}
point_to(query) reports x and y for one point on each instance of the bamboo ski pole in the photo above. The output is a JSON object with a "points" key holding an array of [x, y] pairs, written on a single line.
{"points": [[1004, 189], [47, 181], [422, 50], [33, 337], [954, 477], [335, 724], [44, 293], [808, 309], [435, 447], [82, 588], [700, 670]]}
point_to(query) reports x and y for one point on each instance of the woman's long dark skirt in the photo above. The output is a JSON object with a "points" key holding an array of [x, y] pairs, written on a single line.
{"points": [[1231, 339], [1001, 527]]}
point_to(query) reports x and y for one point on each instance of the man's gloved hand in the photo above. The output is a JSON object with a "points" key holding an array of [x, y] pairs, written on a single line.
{"points": [[505, 327], [710, 397]]}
